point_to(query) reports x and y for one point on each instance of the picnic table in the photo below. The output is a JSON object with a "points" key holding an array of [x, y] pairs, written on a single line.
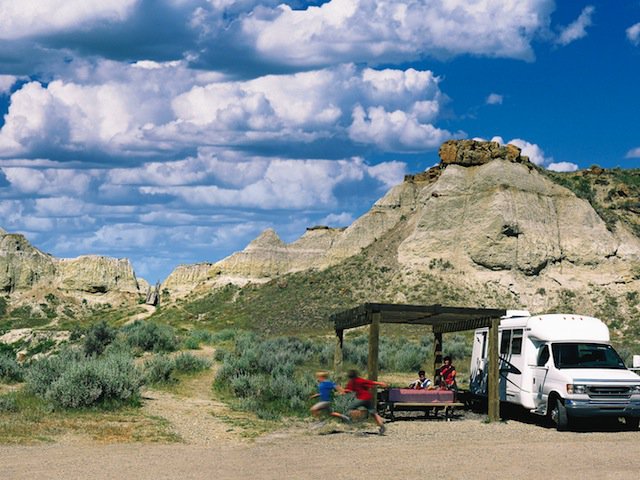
{"points": [[392, 400]]}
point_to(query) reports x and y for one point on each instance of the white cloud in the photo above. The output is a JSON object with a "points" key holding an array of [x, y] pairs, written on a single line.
{"points": [[161, 108], [633, 153], [562, 167], [389, 173], [343, 219], [578, 28], [534, 152], [6, 82], [394, 131], [633, 34], [59, 207], [48, 181], [386, 30], [283, 183], [26, 18], [494, 99]]}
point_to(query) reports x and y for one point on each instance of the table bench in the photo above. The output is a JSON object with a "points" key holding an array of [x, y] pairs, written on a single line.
{"points": [[407, 399]]}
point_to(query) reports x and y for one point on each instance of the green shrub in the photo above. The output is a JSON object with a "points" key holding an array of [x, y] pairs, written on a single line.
{"points": [[8, 402], [159, 369], [109, 380], [71, 380], [10, 369], [150, 337], [97, 337], [188, 363], [225, 335]]}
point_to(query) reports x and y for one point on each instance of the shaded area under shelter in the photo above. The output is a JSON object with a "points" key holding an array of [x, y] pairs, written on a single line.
{"points": [[441, 319]]}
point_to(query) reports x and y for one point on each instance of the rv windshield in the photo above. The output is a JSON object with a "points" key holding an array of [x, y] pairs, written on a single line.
{"points": [[585, 355]]}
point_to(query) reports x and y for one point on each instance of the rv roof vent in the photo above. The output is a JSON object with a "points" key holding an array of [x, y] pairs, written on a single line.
{"points": [[517, 313]]}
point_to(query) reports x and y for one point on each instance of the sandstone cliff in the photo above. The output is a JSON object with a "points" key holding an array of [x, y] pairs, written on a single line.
{"points": [[24, 268]]}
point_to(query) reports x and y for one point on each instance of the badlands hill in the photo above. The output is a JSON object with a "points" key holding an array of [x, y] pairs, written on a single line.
{"points": [[484, 227], [37, 288]]}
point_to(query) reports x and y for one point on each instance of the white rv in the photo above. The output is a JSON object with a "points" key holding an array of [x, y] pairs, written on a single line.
{"points": [[562, 366]]}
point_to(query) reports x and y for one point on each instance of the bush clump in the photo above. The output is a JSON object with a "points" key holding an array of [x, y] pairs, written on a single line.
{"points": [[98, 337], [10, 369], [150, 337], [189, 363], [159, 369], [264, 374], [72, 380], [8, 403]]}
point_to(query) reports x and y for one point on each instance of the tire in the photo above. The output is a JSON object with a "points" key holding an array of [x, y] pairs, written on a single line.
{"points": [[559, 415], [632, 423]]}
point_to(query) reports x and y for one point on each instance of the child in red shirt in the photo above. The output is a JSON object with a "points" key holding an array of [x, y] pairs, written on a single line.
{"points": [[362, 388]]}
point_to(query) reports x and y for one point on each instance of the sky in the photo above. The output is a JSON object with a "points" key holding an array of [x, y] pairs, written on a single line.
{"points": [[175, 131]]}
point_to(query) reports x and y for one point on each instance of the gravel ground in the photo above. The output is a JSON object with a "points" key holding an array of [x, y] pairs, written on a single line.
{"points": [[461, 449]]}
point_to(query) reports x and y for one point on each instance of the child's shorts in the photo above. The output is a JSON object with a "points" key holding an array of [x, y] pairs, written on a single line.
{"points": [[322, 406]]}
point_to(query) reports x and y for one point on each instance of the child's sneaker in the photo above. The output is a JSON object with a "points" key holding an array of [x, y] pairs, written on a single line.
{"points": [[345, 418], [382, 429]]}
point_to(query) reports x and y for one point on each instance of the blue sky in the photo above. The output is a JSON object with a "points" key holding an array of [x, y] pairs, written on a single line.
{"points": [[175, 131]]}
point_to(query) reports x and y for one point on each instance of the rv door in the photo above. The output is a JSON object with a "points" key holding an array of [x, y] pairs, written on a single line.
{"points": [[540, 373]]}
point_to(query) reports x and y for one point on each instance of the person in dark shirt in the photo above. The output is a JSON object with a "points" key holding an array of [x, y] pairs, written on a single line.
{"points": [[446, 375], [364, 398]]}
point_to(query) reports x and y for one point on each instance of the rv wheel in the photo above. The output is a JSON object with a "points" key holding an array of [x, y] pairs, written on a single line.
{"points": [[559, 415]]}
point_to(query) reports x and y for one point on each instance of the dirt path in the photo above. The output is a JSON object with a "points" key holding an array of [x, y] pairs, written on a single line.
{"points": [[455, 450], [148, 311], [195, 416]]}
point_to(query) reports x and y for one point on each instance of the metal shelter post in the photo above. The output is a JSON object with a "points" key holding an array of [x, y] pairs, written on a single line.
{"points": [[494, 373]]}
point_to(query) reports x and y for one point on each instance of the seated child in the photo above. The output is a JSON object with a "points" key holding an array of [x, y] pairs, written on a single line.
{"points": [[421, 383]]}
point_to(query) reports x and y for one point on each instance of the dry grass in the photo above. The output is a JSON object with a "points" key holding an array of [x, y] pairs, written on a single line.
{"points": [[34, 423]]}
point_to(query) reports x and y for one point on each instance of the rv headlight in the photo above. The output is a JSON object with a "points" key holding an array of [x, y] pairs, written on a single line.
{"points": [[635, 389], [576, 389]]}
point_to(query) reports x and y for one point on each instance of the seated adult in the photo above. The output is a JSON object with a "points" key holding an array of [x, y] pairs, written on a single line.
{"points": [[446, 375], [421, 383]]}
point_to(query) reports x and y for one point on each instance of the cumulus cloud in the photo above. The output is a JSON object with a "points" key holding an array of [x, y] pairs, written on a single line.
{"points": [[633, 34], [494, 99], [394, 131], [6, 82], [562, 167], [633, 153], [25, 180], [537, 156], [385, 30], [28, 18], [343, 219], [286, 184], [578, 28], [160, 109]]}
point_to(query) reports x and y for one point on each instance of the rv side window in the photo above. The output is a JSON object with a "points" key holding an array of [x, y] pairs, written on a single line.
{"points": [[543, 355], [516, 342], [504, 343]]}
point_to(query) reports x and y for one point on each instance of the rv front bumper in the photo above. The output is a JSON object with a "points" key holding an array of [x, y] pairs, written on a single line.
{"points": [[597, 408]]}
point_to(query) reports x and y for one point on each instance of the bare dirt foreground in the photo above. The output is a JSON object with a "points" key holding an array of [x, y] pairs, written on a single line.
{"points": [[459, 449]]}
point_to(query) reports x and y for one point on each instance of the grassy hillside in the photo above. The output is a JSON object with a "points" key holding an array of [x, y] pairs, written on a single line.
{"points": [[614, 194]]}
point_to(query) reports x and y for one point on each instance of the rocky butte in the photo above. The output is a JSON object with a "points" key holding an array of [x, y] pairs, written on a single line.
{"points": [[485, 216]]}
